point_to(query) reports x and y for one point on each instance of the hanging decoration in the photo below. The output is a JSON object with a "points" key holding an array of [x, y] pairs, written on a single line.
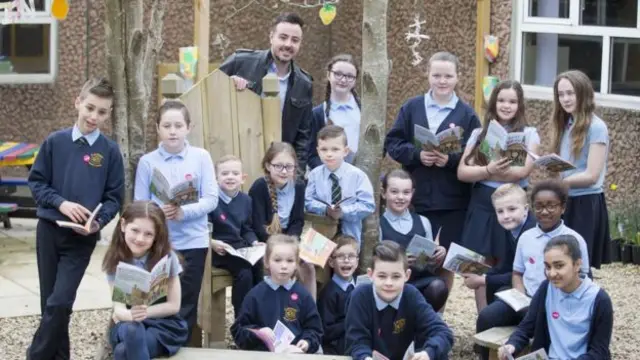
{"points": [[60, 9], [327, 13], [491, 48], [488, 84]]}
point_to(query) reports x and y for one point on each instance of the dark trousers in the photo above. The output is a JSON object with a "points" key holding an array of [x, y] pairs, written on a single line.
{"points": [[245, 276], [62, 257], [190, 283], [498, 313]]}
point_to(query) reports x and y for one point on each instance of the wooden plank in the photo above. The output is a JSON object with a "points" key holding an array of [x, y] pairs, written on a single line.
{"points": [[224, 354], [250, 133], [193, 100], [494, 337], [483, 27], [222, 139], [167, 68], [201, 25]]}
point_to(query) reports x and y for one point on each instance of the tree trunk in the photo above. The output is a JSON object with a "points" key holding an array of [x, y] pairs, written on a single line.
{"points": [[375, 79], [132, 50]]}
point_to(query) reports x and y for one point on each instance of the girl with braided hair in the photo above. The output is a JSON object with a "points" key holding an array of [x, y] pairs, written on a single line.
{"points": [[341, 107], [278, 202]]}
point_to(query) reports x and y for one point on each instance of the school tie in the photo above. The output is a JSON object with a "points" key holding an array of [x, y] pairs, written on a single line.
{"points": [[336, 190], [350, 288], [82, 141]]}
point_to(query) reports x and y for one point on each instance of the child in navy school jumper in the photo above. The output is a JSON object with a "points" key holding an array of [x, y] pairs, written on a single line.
{"points": [[279, 298], [341, 107], [335, 294], [582, 138], [188, 229], [337, 180], [482, 233], [76, 169], [399, 224], [278, 202], [231, 221], [512, 210], [569, 316], [145, 332], [388, 315], [441, 197]]}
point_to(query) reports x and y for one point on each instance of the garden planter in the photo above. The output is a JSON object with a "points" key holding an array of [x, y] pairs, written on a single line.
{"points": [[626, 254], [615, 250], [635, 254]]}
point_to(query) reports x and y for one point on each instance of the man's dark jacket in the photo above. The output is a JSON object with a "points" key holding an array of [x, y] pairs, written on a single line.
{"points": [[253, 65]]}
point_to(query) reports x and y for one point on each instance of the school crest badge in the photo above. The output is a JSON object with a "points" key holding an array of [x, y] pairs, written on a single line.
{"points": [[96, 159], [290, 314], [398, 326]]}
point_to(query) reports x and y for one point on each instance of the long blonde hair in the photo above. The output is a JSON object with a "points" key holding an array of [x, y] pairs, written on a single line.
{"points": [[585, 106]]}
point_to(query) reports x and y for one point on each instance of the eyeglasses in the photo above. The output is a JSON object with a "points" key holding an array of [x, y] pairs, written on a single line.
{"points": [[341, 76], [344, 257], [280, 167], [549, 207]]}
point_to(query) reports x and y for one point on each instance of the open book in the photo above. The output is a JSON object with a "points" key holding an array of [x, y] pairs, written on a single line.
{"points": [[553, 162], [499, 143], [408, 355], [136, 286], [514, 298], [423, 249], [540, 354], [183, 193], [315, 248], [283, 335], [448, 141], [461, 260], [336, 204], [86, 226], [251, 253]]}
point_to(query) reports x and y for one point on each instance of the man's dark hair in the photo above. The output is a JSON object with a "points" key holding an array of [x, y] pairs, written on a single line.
{"points": [[291, 18]]}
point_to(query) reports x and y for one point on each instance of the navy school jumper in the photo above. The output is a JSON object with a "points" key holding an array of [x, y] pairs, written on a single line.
{"points": [[263, 211], [332, 306], [436, 188]]}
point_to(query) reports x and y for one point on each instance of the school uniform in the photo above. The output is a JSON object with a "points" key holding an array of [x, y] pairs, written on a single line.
{"points": [[401, 230], [290, 208], [439, 195], [190, 235], [87, 170], [482, 232], [332, 309], [498, 278], [568, 326], [269, 302], [231, 221], [347, 181], [346, 115], [586, 210], [151, 337], [389, 328]]}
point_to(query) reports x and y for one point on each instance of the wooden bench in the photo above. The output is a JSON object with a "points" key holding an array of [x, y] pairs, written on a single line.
{"points": [[5, 209], [212, 308], [494, 338], [222, 354]]}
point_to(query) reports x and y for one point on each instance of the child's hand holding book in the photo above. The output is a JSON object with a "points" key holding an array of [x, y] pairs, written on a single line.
{"points": [[173, 212], [334, 212], [218, 247], [138, 312]]}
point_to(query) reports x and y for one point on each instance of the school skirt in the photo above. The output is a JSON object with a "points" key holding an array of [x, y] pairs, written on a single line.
{"points": [[449, 222], [588, 216], [171, 332], [482, 233]]}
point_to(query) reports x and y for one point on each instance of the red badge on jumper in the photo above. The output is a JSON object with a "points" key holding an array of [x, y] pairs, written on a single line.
{"points": [[555, 315], [294, 297], [223, 217], [188, 177], [532, 260], [86, 159]]}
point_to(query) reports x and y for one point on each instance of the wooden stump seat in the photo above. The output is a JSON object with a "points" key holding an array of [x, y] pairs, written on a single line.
{"points": [[212, 309], [494, 338]]}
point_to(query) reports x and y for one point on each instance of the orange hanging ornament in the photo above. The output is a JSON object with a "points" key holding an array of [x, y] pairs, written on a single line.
{"points": [[60, 9], [327, 13]]}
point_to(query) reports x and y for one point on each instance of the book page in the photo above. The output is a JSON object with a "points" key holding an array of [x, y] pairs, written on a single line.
{"points": [[516, 148], [540, 354], [461, 260], [284, 337], [494, 142], [131, 285], [423, 249], [315, 248], [408, 355], [554, 163], [424, 139], [252, 253], [185, 192], [159, 286], [159, 186], [450, 140], [514, 298], [86, 226], [265, 340], [377, 356]]}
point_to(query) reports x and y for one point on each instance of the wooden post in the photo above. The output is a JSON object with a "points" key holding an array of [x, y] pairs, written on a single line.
{"points": [[201, 36], [271, 113], [171, 86], [483, 27]]}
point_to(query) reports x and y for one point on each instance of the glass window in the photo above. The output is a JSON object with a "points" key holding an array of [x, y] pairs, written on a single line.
{"points": [[616, 13], [546, 55], [24, 49], [549, 8], [625, 72]]}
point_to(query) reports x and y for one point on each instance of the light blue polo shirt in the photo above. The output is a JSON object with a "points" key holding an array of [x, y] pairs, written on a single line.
{"points": [[597, 134], [283, 83], [531, 138], [347, 115], [569, 319], [437, 113], [529, 259], [286, 197]]}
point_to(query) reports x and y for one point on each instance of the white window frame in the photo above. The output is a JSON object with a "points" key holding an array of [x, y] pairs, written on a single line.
{"points": [[527, 24], [37, 18]]}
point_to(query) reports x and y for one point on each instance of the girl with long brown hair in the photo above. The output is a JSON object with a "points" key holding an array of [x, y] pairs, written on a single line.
{"points": [[582, 138], [140, 331]]}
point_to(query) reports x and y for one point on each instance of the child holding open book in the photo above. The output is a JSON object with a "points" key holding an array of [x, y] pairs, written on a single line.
{"points": [[279, 305], [181, 165], [232, 228], [144, 330], [76, 170], [401, 225]]}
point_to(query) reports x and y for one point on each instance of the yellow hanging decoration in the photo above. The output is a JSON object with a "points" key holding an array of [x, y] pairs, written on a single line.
{"points": [[327, 13], [60, 9]]}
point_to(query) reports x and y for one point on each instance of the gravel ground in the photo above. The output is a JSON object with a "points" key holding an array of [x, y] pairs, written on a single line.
{"points": [[621, 282]]}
